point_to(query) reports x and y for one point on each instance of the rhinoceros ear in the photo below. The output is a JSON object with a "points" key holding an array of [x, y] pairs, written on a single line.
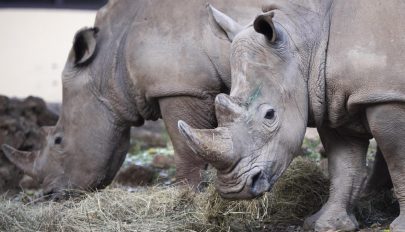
{"points": [[263, 24], [224, 23], [84, 46]]}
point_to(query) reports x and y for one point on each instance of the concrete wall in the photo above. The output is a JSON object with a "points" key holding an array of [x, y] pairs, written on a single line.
{"points": [[34, 44]]}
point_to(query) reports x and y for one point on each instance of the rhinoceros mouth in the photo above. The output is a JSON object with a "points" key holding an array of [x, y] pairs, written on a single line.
{"points": [[250, 185], [61, 194], [55, 191]]}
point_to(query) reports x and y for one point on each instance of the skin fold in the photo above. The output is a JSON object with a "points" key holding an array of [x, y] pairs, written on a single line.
{"points": [[334, 65]]}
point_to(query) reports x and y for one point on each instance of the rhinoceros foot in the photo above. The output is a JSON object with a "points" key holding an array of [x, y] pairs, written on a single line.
{"points": [[398, 225], [331, 220]]}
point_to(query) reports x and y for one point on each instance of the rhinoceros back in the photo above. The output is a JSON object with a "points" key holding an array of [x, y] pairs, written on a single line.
{"points": [[170, 49], [366, 56]]}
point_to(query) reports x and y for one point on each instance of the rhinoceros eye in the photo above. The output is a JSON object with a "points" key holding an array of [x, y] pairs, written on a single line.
{"points": [[58, 140], [269, 114]]}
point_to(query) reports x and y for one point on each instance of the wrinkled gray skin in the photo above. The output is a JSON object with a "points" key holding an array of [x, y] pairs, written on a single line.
{"points": [[143, 60], [336, 65]]}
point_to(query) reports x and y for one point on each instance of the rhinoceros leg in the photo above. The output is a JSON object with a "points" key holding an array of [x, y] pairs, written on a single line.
{"points": [[347, 170], [387, 124], [197, 112], [379, 178]]}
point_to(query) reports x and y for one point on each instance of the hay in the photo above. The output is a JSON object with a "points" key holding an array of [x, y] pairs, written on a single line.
{"points": [[300, 192], [152, 209], [378, 209]]}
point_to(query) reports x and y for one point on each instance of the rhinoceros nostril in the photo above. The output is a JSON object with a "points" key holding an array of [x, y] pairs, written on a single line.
{"points": [[256, 179], [260, 184]]}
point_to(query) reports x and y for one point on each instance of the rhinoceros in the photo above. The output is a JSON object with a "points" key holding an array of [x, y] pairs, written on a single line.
{"points": [[142, 60], [334, 65]]}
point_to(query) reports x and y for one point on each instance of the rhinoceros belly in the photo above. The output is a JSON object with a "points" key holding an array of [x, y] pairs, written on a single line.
{"points": [[365, 59]]}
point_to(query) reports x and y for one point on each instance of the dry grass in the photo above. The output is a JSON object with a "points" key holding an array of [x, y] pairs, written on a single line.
{"points": [[152, 209], [378, 209], [300, 192]]}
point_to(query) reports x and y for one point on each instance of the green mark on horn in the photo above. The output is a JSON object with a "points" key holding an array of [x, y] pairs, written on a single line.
{"points": [[255, 94]]}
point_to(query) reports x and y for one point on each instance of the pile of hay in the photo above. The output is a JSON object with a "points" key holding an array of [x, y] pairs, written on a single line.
{"points": [[301, 191], [377, 209]]}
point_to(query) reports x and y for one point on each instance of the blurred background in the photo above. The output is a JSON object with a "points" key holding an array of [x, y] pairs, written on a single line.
{"points": [[36, 36]]}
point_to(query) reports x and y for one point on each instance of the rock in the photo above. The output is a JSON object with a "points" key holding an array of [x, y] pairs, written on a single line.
{"points": [[3, 104], [151, 134], [163, 161], [135, 175]]}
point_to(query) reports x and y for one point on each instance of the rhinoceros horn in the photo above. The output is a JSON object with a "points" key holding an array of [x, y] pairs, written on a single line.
{"points": [[22, 159], [212, 145], [226, 109]]}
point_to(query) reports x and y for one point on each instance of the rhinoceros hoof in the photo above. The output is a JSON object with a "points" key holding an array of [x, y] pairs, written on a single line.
{"points": [[398, 225], [331, 221], [309, 223]]}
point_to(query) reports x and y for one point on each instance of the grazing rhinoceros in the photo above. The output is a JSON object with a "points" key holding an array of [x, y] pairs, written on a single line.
{"points": [[337, 65], [143, 60]]}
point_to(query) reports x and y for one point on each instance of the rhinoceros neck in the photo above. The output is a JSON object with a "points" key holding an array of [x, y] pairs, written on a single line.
{"points": [[317, 67], [122, 90], [110, 80], [311, 20], [307, 23]]}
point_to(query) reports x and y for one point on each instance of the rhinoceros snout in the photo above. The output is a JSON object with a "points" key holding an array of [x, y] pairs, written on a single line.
{"points": [[256, 184], [259, 184]]}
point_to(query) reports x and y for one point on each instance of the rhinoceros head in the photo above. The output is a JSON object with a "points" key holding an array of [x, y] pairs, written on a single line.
{"points": [[87, 146], [262, 123]]}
